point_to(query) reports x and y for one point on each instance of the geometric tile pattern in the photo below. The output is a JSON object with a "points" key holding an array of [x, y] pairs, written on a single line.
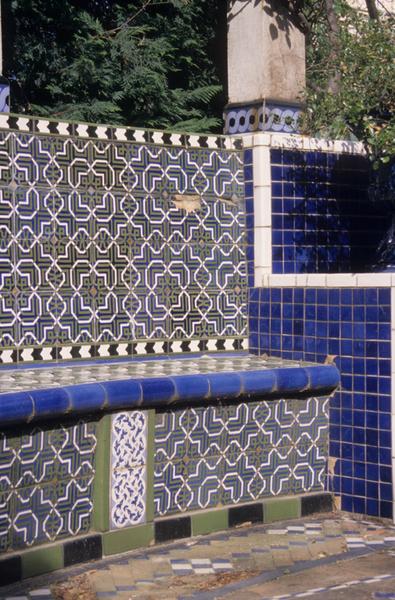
{"points": [[128, 470], [13, 380], [151, 572], [97, 256], [262, 117], [323, 220], [354, 325], [200, 566], [227, 454], [46, 478]]}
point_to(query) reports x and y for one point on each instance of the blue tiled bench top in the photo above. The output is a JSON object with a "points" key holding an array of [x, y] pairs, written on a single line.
{"points": [[28, 394]]}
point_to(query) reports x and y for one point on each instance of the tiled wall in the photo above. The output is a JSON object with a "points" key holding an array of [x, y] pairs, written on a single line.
{"points": [[353, 325], [323, 220], [46, 484], [225, 455], [128, 469], [98, 254]]}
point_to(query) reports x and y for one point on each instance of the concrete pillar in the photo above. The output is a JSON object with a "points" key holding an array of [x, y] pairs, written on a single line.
{"points": [[266, 67]]}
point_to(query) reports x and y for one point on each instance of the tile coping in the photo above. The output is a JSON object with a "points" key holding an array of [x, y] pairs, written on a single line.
{"points": [[37, 394]]}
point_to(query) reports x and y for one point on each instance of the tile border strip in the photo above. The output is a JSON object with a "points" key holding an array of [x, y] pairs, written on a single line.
{"points": [[300, 142], [95, 546], [331, 280], [134, 349], [35, 125], [149, 392]]}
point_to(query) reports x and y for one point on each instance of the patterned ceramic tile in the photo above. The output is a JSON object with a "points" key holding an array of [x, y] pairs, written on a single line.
{"points": [[239, 453], [46, 480], [128, 471], [262, 117], [95, 248]]}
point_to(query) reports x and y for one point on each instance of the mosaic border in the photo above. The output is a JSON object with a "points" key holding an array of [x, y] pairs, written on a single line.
{"points": [[121, 349], [122, 134]]}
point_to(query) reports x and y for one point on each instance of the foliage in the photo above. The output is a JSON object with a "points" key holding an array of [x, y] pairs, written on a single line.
{"points": [[145, 62], [362, 106]]}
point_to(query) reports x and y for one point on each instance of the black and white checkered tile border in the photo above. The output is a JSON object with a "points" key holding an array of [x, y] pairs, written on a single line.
{"points": [[200, 566], [359, 542], [136, 349], [117, 134]]}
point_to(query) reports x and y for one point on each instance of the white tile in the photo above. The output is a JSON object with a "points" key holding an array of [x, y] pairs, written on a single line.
{"points": [[157, 137], [248, 140], [374, 279], [23, 124], [261, 165], [63, 128], [301, 280], [279, 280], [4, 121], [259, 276], [200, 561], [85, 351], [261, 139], [101, 132], [176, 139], [263, 206], [42, 126], [120, 133], [286, 140], [263, 246], [139, 135], [316, 280], [82, 130], [341, 280]]}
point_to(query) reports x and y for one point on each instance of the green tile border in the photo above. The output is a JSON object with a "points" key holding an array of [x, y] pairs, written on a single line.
{"points": [[45, 559], [41, 560], [149, 500], [116, 542], [281, 509], [101, 486], [209, 521]]}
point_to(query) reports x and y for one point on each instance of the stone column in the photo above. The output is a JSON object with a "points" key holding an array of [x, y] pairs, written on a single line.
{"points": [[266, 67]]}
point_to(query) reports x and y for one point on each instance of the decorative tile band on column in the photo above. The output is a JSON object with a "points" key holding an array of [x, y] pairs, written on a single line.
{"points": [[264, 116], [128, 469]]}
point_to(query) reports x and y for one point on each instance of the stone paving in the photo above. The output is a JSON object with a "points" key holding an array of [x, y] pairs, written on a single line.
{"points": [[332, 556]]}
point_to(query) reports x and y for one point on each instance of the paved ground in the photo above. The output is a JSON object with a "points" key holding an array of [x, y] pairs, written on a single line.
{"points": [[332, 557]]}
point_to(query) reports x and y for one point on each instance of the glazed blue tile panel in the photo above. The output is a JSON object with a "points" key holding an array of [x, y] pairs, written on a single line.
{"points": [[322, 218], [94, 248], [355, 326], [228, 454], [46, 484], [249, 212]]}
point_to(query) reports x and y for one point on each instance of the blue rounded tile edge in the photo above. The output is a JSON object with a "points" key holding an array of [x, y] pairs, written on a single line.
{"points": [[34, 405]]}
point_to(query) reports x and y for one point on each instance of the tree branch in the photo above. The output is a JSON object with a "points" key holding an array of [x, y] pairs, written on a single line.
{"points": [[333, 35], [372, 9]]}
